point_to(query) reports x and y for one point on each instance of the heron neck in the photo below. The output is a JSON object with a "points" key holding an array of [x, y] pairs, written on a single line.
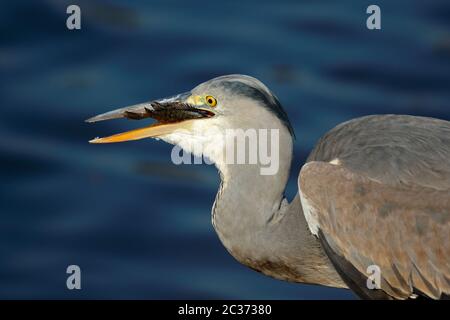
{"points": [[261, 230], [247, 199]]}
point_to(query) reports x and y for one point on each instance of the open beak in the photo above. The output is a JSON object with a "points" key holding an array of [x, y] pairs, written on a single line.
{"points": [[171, 114]]}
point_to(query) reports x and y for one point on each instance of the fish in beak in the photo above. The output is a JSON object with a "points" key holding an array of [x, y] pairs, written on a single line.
{"points": [[170, 114]]}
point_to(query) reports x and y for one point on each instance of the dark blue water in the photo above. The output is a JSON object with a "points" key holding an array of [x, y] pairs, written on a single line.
{"points": [[137, 225]]}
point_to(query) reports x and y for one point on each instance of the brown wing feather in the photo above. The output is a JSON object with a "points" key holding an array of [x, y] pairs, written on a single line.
{"points": [[405, 230]]}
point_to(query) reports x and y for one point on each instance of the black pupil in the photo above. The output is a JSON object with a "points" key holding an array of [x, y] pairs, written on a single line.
{"points": [[210, 101]]}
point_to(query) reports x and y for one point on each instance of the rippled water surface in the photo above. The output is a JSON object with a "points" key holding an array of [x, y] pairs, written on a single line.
{"points": [[137, 225]]}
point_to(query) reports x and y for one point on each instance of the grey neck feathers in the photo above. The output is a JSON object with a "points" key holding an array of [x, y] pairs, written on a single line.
{"points": [[261, 230]]}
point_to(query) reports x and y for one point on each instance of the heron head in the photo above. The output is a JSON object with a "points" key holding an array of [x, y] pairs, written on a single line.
{"points": [[202, 115]]}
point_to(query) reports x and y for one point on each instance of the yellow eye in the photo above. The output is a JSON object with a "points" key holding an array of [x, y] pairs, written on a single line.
{"points": [[211, 101]]}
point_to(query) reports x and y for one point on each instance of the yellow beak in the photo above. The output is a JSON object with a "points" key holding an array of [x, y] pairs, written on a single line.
{"points": [[171, 113], [153, 131]]}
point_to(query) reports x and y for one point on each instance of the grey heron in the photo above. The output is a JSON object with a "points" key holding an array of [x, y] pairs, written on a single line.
{"points": [[375, 191]]}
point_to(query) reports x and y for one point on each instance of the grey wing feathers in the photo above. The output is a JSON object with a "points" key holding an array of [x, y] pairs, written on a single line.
{"points": [[387, 203], [403, 230], [393, 149]]}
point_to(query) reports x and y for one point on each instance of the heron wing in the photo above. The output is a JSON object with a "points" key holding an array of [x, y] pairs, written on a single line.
{"points": [[393, 149], [402, 229], [386, 202]]}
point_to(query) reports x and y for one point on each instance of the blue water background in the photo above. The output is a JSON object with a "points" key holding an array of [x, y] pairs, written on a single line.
{"points": [[138, 225]]}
